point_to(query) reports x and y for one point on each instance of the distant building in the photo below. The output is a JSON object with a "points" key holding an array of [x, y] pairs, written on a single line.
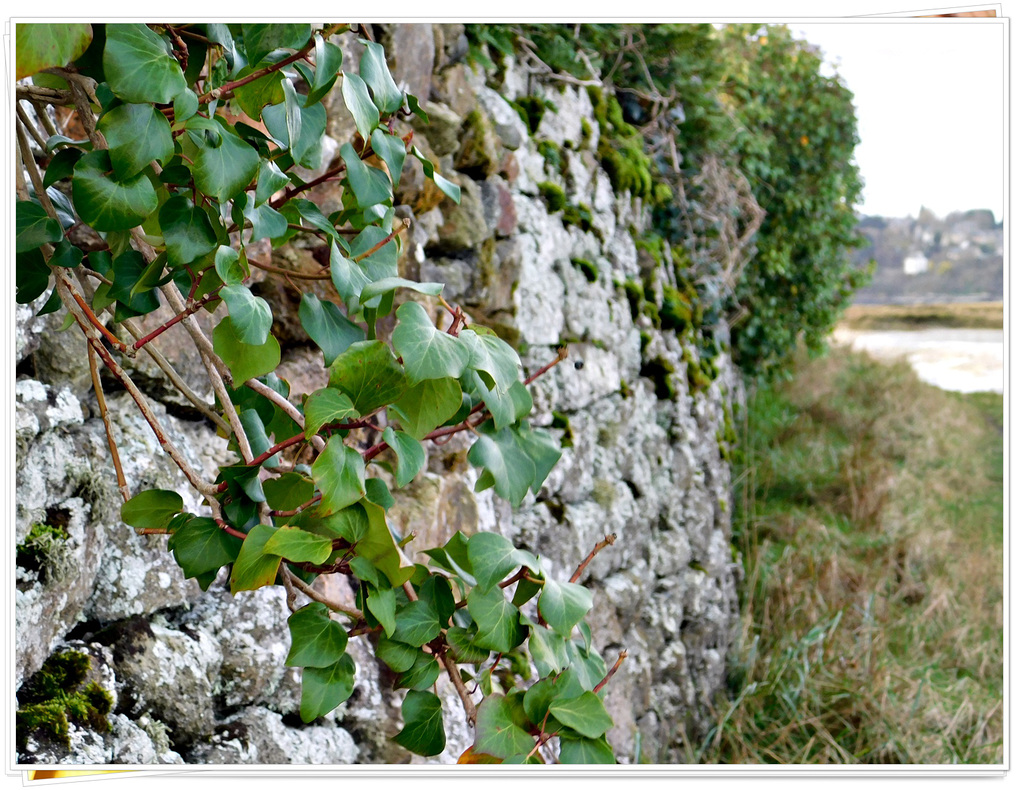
{"points": [[915, 263]]}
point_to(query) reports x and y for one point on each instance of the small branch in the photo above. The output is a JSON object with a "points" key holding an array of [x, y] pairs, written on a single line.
{"points": [[563, 354], [289, 273], [286, 406], [460, 687], [295, 190], [37, 93], [612, 671], [608, 541], [122, 485], [386, 240], [23, 117], [309, 592], [259, 459], [194, 307]]}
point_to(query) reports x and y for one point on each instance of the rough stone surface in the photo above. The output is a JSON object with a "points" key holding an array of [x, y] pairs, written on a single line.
{"points": [[199, 677]]}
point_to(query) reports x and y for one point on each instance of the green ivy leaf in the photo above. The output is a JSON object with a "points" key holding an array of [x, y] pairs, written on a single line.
{"points": [[230, 266], [538, 698], [259, 40], [493, 557], [67, 255], [548, 650], [396, 655], [499, 730], [357, 98], [250, 315], [328, 327], [369, 374], [339, 474], [201, 548], [391, 149], [253, 567], [327, 406], [107, 203], [383, 604], [381, 287], [298, 545], [447, 187], [378, 546], [373, 68], [585, 714], [224, 163], [421, 675], [34, 227], [317, 640], [370, 185], [349, 279], [563, 605], [496, 619], [151, 509], [427, 353], [423, 730], [61, 166], [350, 524], [254, 96], [136, 135], [542, 448], [269, 179], [186, 104], [427, 405], [491, 355], [463, 649], [437, 592], [416, 623], [43, 45], [187, 231], [454, 557], [325, 688], [585, 751], [411, 456], [328, 58], [243, 360], [138, 65], [265, 221], [299, 129], [506, 466], [288, 491], [134, 281]]}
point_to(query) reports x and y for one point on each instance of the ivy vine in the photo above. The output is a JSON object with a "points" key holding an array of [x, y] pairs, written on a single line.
{"points": [[194, 138]]}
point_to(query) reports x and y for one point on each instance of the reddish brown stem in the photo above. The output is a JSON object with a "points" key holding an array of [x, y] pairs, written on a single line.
{"points": [[259, 459], [608, 541], [195, 307], [295, 190], [114, 341], [612, 671], [381, 243]]}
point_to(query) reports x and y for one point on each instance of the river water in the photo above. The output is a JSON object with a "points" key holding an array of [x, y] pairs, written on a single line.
{"points": [[965, 360]]}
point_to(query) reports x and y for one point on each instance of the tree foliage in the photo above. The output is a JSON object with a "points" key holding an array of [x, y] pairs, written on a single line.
{"points": [[194, 140]]}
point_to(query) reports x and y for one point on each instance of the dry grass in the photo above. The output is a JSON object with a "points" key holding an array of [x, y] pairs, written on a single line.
{"points": [[963, 315], [872, 540]]}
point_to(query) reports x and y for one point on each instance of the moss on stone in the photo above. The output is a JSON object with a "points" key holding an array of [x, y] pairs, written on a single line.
{"points": [[560, 422], [45, 552], [554, 155], [620, 147], [635, 296], [589, 268], [659, 370], [676, 312], [531, 109], [580, 216], [553, 195], [55, 695]]}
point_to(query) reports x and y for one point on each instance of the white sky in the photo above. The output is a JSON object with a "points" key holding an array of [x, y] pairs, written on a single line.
{"points": [[930, 110]]}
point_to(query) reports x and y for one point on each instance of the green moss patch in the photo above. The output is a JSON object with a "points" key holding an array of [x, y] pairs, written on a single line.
{"points": [[56, 695]]}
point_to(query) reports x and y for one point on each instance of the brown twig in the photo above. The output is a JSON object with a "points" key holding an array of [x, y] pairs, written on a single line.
{"points": [[97, 387], [309, 592], [460, 687], [608, 541], [612, 671]]}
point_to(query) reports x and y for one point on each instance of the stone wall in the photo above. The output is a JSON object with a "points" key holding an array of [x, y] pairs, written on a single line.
{"points": [[199, 677]]}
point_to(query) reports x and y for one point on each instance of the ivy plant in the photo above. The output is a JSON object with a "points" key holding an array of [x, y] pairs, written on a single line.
{"points": [[192, 144]]}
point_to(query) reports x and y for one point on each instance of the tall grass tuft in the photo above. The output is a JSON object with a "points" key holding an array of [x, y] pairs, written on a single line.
{"points": [[870, 523]]}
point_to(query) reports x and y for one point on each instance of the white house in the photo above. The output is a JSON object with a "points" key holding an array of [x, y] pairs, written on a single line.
{"points": [[915, 263]]}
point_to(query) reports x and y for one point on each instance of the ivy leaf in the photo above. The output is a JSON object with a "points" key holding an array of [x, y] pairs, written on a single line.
{"points": [[437, 592], [427, 353], [254, 96], [328, 59], [411, 456], [538, 698], [357, 98], [542, 449], [381, 287], [254, 568], [493, 557], [269, 179], [260, 40], [32, 276], [391, 149], [151, 509], [548, 650], [421, 675], [498, 729], [224, 163], [396, 655], [350, 524], [201, 547], [491, 355], [339, 474], [383, 604], [317, 640], [325, 688], [299, 129], [369, 374], [298, 545], [416, 623], [423, 730], [129, 271], [370, 185], [496, 619], [288, 491], [505, 465], [230, 266], [327, 326], [447, 187], [563, 605], [266, 221], [326, 406], [61, 166], [136, 135], [34, 227], [585, 751], [243, 360], [187, 231], [427, 405], [107, 203], [378, 546], [373, 68], [250, 315], [43, 45], [585, 714], [138, 65], [463, 649], [186, 104], [454, 556]]}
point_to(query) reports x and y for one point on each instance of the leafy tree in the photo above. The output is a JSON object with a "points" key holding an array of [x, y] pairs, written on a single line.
{"points": [[193, 136]]}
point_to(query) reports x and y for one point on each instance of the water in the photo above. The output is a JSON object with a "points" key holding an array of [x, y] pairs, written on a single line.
{"points": [[964, 360]]}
